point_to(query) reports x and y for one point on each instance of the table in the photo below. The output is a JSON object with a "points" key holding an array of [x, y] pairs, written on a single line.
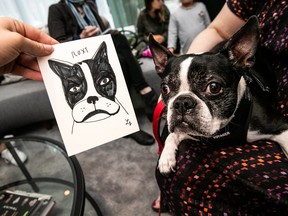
{"points": [[48, 170]]}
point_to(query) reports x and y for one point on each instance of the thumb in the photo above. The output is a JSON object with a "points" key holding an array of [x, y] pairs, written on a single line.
{"points": [[35, 48]]}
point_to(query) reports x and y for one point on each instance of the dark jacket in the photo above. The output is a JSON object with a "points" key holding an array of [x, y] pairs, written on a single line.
{"points": [[62, 23], [147, 24]]}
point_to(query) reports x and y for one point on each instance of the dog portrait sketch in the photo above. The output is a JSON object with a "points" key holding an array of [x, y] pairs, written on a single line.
{"points": [[88, 93], [89, 86]]}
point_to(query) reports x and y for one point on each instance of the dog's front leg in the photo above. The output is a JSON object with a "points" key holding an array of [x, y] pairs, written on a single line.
{"points": [[282, 139], [167, 159]]}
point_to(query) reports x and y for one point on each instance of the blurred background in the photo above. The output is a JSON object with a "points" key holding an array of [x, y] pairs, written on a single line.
{"points": [[120, 13]]}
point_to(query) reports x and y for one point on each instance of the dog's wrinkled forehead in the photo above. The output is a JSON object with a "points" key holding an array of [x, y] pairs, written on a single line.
{"points": [[198, 69], [208, 64]]}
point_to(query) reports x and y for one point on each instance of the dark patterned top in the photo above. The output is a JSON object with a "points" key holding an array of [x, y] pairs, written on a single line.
{"points": [[229, 178], [273, 19], [248, 179]]}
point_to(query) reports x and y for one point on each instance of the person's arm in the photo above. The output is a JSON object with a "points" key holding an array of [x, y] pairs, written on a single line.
{"points": [[207, 19], [222, 28], [166, 25], [141, 28], [172, 34], [20, 43]]}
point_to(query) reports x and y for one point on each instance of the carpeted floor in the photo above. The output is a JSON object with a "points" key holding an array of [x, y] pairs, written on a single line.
{"points": [[119, 175]]}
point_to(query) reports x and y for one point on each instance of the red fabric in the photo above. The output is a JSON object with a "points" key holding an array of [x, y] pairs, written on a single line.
{"points": [[156, 124]]}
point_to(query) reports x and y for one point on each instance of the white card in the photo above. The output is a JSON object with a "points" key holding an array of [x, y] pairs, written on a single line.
{"points": [[88, 93]]}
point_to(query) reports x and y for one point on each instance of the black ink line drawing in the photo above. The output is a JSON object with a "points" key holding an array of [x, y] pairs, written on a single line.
{"points": [[89, 87]]}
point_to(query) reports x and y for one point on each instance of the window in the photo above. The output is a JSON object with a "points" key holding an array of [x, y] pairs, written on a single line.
{"points": [[34, 12]]}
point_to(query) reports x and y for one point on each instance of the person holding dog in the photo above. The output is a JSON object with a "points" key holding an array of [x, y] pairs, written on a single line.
{"points": [[232, 179], [77, 19]]}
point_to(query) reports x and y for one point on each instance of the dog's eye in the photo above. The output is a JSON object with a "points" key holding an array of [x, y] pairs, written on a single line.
{"points": [[104, 81], [165, 89], [75, 89], [214, 88]]}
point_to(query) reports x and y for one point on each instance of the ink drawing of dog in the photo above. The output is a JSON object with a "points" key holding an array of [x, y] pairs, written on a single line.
{"points": [[89, 86]]}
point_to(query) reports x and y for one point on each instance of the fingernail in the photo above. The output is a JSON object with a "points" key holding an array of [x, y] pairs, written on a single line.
{"points": [[48, 48]]}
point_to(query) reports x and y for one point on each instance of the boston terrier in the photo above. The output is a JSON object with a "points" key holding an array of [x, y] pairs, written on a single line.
{"points": [[89, 86], [217, 96]]}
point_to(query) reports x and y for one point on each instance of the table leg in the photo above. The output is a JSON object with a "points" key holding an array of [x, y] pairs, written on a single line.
{"points": [[22, 167]]}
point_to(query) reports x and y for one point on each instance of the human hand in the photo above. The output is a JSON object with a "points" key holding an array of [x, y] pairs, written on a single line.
{"points": [[20, 43], [89, 31], [171, 49], [159, 38]]}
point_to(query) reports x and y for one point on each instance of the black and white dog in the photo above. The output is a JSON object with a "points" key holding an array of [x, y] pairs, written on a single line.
{"points": [[217, 95], [89, 86]]}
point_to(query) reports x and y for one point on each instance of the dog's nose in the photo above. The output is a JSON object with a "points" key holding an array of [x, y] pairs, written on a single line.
{"points": [[92, 99], [184, 104]]}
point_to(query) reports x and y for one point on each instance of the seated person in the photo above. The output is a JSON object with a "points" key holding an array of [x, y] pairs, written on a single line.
{"points": [[154, 18], [76, 19]]}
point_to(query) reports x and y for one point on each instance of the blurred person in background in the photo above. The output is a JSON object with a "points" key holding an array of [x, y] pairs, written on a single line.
{"points": [[186, 23]]}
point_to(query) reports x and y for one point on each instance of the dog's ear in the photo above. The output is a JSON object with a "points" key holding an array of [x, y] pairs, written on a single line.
{"points": [[241, 47], [60, 68], [160, 55], [101, 53]]}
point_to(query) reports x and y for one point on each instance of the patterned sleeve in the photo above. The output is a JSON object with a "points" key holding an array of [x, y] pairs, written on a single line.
{"points": [[244, 8]]}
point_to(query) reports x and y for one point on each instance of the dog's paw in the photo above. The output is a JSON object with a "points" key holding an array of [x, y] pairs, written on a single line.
{"points": [[166, 163]]}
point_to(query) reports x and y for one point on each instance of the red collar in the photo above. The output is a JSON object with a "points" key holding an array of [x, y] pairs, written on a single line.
{"points": [[156, 124]]}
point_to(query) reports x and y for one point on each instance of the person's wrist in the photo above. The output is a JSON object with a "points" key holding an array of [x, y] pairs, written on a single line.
{"points": [[171, 49]]}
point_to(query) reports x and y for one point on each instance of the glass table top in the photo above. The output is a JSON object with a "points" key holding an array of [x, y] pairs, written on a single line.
{"points": [[53, 173]]}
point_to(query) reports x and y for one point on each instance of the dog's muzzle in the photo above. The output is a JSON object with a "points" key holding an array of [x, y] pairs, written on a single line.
{"points": [[184, 105]]}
